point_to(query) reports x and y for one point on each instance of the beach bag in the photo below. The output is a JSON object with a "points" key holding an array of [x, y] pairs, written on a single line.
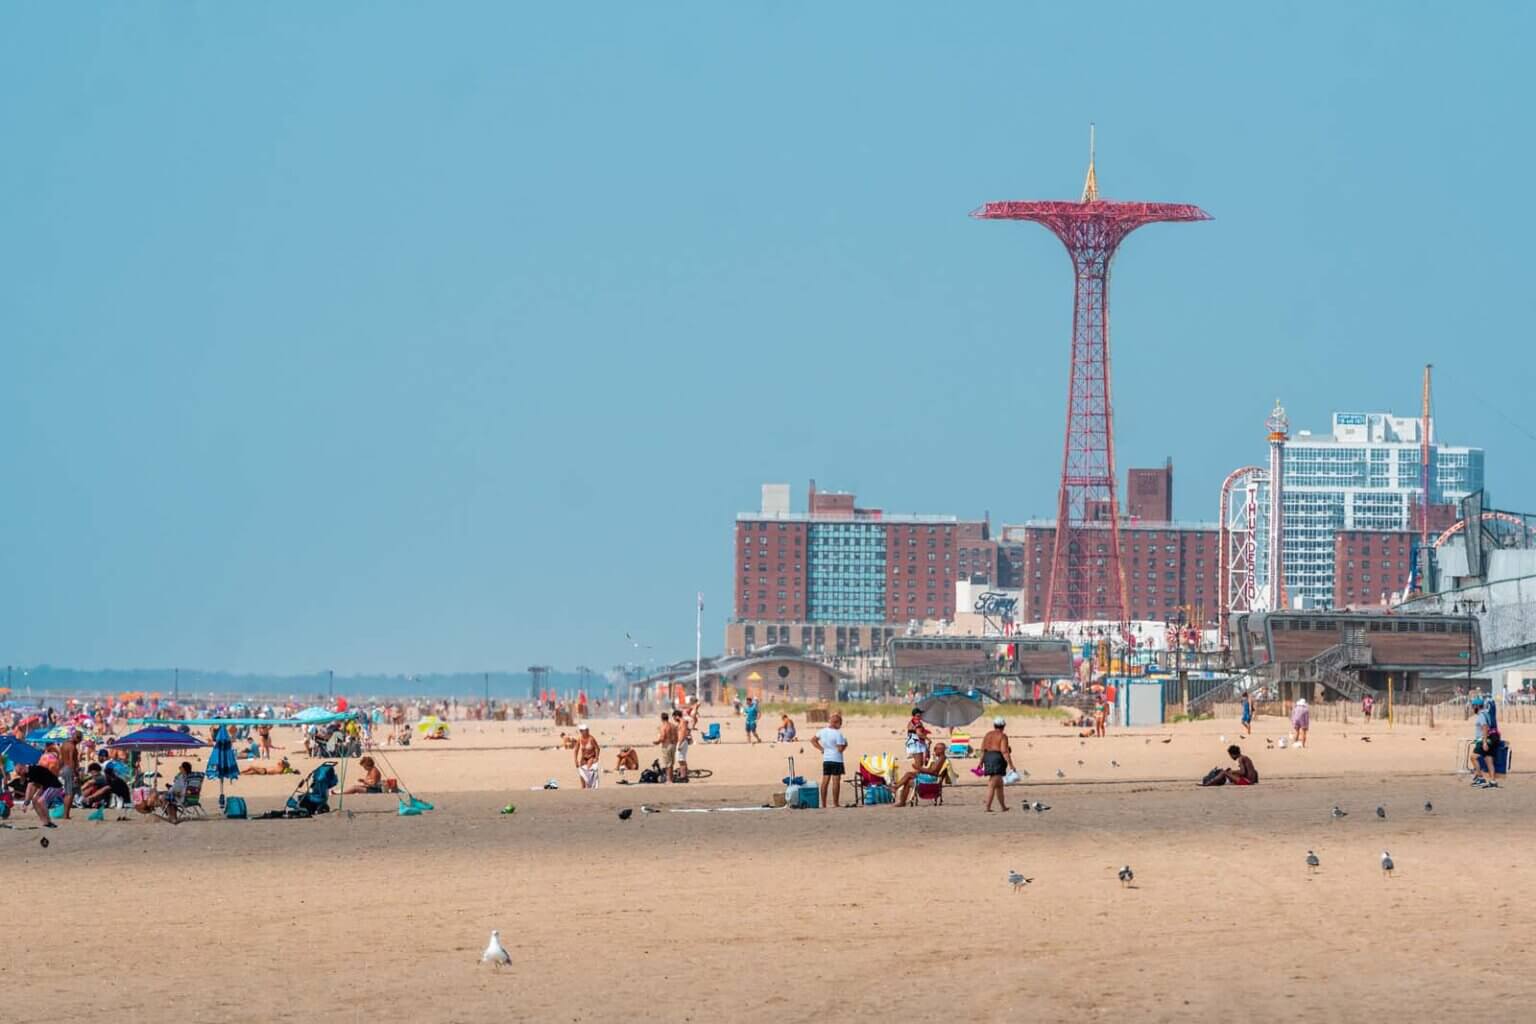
{"points": [[234, 807], [1214, 777], [650, 776], [878, 795]]}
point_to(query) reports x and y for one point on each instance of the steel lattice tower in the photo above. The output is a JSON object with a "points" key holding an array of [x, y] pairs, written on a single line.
{"points": [[1087, 580]]}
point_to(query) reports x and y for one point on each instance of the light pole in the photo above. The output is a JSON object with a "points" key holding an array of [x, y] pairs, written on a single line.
{"points": [[330, 684], [1466, 608]]}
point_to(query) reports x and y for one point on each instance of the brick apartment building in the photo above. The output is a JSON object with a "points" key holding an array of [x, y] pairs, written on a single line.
{"points": [[836, 577], [1168, 567]]}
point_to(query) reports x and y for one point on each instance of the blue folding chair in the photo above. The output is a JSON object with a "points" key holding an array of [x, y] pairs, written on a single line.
{"points": [[711, 734]]}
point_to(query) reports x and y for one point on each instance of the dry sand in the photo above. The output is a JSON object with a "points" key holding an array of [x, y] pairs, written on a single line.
{"points": [[846, 915]]}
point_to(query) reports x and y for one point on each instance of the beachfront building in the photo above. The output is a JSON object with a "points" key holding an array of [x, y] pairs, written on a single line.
{"points": [[1363, 476], [834, 578], [1170, 568]]}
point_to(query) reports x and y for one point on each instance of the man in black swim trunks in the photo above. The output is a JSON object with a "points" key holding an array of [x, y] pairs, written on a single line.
{"points": [[996, 761], [43, 790]]}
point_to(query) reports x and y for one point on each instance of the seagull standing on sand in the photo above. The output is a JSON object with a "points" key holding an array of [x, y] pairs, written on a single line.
{"points": [[1126, 875], [1386, 864], [1017, 880], [1060, 774], [1040, 808], [1312, 862], [1339, 812], [496, 954]]}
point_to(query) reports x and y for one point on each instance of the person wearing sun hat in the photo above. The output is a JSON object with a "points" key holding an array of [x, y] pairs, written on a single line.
{"points": [[1301, 721], [996, 761], [587, 753]]}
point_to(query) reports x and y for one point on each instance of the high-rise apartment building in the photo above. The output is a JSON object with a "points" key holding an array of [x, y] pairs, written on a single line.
{"points": [[837, 564], [1365, 475], [1170, 568]]}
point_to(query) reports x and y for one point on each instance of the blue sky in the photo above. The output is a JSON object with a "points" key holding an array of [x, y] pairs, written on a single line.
{"points": [[401, 337]]}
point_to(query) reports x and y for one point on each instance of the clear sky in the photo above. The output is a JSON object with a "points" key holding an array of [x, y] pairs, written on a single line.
{"points": [[410, 337]]}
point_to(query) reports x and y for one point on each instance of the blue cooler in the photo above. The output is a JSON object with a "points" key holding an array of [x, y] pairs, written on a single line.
{"points": [[804, 796]]}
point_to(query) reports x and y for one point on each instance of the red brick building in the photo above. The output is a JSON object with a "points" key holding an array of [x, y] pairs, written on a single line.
{"points": [[841, 565], [1149, 494], [1370, 565], [1169, 567]]}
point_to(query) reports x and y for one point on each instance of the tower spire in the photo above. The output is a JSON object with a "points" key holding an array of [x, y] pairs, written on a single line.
{"points": [[1091, 185]]}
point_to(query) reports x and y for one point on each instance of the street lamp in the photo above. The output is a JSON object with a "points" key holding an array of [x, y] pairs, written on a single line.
{"points": [[1467, 608]]}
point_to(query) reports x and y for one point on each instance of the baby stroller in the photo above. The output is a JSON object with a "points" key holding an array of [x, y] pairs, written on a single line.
{"points": [[313, 795]]}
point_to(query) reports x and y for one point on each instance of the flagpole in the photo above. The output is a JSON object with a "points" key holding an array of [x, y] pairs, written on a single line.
{"points": [[698, 651]]}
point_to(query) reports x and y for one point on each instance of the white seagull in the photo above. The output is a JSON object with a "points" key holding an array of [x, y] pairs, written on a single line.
{"points": [[496, 954], [1126, 875], [1386, 864], [1017, 880]]}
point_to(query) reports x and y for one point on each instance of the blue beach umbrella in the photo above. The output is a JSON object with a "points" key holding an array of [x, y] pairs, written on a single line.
{"points": [[222, 763], [18, 752], [156, 738]]}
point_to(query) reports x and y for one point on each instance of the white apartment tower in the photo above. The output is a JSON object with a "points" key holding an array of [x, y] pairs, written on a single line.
{"points": [[1365, 475]]}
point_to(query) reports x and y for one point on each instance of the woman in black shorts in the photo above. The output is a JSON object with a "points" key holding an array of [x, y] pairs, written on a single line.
{"points": [[996, 761]]}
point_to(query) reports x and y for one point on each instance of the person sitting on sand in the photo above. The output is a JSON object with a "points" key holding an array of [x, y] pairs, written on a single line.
{"points": [[629, 760], [371, 782], [1245, 774], [281, 768], [567, 742]]}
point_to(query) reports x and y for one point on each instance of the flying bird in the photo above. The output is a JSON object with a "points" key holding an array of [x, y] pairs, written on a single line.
{"points": [[1312, 862], [496, 954], [1386, 864], [1017, 880], [1126, 875], [1339, 812], [1381, 812]]}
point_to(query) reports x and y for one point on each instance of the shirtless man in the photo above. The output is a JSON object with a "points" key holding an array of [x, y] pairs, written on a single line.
{"points": [[587, 753], [684, 738], [666, 739], [996, 760], [69, 766]]}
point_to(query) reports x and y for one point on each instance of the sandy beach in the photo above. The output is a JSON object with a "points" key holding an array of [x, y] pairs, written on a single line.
{"points": [[789, 915]]}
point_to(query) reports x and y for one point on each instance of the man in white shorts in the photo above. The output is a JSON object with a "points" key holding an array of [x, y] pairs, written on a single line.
{"points": [[684, 739]]}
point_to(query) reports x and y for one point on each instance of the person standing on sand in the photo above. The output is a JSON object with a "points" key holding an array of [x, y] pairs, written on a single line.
{"points": [[1301, 720], [69, 767], [996, 760], [752, 736], [684, 740], [831, 742], [587, 753], [666, 739], [1248, 714]]}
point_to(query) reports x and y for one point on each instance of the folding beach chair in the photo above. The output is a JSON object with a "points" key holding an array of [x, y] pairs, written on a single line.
{"points": [[711, 734]]}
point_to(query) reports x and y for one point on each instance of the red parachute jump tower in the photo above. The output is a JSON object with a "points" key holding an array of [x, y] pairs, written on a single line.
{"points": [[1087, 580]]}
